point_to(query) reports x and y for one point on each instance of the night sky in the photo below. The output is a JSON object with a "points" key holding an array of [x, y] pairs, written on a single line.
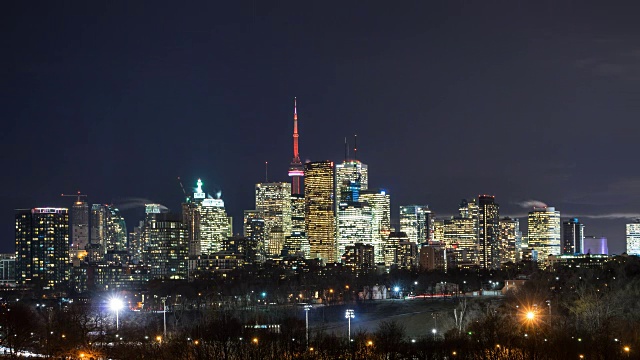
{"points": [[526, 100]]}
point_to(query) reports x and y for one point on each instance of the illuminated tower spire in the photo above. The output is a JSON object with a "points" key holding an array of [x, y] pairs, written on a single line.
{"points": [[296, 170]]}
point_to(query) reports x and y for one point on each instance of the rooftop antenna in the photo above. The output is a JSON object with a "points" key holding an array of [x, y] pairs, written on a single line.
{"points": [[355, 147], [346, 149], [266, 171]]}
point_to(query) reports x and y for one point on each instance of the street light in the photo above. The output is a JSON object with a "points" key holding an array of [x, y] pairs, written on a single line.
{"points": [[349, 315], [306, 313], [164, 315], [116, 305]]}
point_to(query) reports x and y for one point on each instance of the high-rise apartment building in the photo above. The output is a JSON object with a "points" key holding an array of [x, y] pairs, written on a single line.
{"points": [[108, 230], [572, 236], [42, 246], [79, 228], [510, 240], [274, 201], [191, 219], [359, 256], [544, 232], [417, 222], [167, 246], [320, 210], [488, 232], [633, 238], [380, 203]]}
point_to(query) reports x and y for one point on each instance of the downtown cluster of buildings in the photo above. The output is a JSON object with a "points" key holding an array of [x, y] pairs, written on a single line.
{"points": [[327, 213]]}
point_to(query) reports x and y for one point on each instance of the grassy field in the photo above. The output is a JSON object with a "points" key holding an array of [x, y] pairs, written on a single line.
{"points": [[416, 315]]}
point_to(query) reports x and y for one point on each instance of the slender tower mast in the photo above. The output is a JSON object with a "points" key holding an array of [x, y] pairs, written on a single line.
{"points": [[296, 170]]}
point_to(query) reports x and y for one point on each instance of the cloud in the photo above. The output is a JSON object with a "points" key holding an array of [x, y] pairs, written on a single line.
{"points": [[619, 63], [134, 202], [531, 203], [623, 191]]}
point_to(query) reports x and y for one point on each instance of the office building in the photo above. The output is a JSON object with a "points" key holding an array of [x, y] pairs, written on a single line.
{"points": [[572, 236], [488, 232], [320, 225], [417, 222], [380, 203], [510, 240], [8, 269], [544, 232], [354, 225], [274, 201], [42, 247], [460, 238], [351, 176], [633, 238], [438, 231], [215, 225]]}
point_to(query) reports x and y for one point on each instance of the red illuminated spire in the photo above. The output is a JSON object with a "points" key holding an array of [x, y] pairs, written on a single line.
{"points": [[296, 154], [296, 170]]}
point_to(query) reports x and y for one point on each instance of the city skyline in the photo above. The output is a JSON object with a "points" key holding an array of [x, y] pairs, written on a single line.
{"points": [[135, 100]]}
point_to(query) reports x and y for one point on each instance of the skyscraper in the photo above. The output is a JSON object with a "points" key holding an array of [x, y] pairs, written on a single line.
{"points": [[348, 174], [99, 215], [206, 220], [572, 236], [108, 230], [167, 246], [460, 237], [488, 232], [354, 222], [42, 246], [416, 221], [79, 227], [254, 229], [510, 240], [380, 203], [215, 225], [544, 232], [274, 201], [633, 238], [296, 169], [319, 209]]}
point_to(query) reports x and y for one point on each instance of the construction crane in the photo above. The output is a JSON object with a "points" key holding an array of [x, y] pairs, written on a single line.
{"points": [[79, 195], [182, 187]]}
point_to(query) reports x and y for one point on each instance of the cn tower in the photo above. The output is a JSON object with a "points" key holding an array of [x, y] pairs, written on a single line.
{"points": [[296, 170]]}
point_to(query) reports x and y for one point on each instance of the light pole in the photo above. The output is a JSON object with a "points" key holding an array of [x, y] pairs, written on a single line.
{"points": [[306, 312], [349, 315], [116, 305], [164, 315], [434, 333]]}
